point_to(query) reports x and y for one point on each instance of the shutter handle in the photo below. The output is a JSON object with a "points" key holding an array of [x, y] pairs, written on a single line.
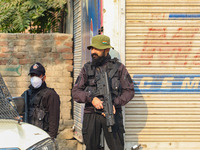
{"points": [[136, 147]]}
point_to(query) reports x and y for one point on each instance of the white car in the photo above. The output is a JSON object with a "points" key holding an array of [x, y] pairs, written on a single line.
{"points": [[15, 134]]}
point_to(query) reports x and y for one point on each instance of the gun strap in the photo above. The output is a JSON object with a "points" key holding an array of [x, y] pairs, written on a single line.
{"points": [[113, 71], [26, 106]]}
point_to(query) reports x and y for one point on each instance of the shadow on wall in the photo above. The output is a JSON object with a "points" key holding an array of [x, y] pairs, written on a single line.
{"points": [[136, 112], [135, 115]]}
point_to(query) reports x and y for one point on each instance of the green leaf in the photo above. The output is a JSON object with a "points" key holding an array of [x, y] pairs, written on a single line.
{"points": [[18, 15]]}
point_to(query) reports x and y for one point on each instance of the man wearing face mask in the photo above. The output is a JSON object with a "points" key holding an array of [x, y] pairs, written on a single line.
{"points": [[121, 89], [43, 102]]}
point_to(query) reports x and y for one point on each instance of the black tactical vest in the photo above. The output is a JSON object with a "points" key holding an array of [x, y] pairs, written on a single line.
{"points": [[114, 79], [37, 115]]}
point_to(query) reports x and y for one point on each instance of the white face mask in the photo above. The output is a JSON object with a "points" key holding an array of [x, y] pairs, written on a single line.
{"points": [[36, 81]]}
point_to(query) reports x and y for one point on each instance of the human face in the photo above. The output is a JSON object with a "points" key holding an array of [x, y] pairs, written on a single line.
{"points": [[98, 56], [42, 77], [96, 53]]}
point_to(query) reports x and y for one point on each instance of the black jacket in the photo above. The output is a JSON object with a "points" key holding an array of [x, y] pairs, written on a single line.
{"points": [[51, 103], [81, 96]]}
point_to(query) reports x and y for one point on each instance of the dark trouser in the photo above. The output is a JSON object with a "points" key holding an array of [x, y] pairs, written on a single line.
{"points": [[92, 125]]}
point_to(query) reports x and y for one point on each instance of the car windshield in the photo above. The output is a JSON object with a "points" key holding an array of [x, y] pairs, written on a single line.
{"points": [[7, 105]]}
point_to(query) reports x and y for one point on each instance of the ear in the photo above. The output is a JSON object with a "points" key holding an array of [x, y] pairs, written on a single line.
{"points": [[44, 78]]}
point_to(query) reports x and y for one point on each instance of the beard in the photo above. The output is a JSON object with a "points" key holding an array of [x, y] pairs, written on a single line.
{"points": [[97, 60]]}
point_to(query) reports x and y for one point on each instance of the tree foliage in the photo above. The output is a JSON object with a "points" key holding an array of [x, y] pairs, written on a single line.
{"points": [[36, 16]]}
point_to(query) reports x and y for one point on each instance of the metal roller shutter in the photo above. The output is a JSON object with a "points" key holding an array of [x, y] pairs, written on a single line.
{"points": [[163, 57], [78, 108], [87, 22]]}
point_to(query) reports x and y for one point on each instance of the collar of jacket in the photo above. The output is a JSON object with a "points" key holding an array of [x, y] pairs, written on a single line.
{"points": [[43, 86]]}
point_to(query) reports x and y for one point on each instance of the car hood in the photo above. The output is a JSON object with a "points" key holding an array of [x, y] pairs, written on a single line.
{"points": [[19, 135]]}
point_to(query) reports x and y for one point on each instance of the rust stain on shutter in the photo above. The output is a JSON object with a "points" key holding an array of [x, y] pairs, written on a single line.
{"points": [[163, 57]]}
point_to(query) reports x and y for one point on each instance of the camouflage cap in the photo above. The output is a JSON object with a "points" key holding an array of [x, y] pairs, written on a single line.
{"points": [[100, 42]]}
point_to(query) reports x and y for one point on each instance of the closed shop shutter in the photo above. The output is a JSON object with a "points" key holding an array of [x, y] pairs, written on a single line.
{"points": [[78, 108], [163, 57]]}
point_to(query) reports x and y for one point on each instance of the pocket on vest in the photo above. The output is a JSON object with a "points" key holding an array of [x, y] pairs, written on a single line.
{"points": [[40, 113], [38, 118]]}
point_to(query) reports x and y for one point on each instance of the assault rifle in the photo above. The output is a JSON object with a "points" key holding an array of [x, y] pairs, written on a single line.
{"points": [[103, 91]]}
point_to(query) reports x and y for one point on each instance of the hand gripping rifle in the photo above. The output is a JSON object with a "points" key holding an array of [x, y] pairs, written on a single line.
{"points": [[103, 90]]}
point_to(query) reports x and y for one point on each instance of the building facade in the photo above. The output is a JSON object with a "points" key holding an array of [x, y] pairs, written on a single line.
{"points": [[158, 41]]}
